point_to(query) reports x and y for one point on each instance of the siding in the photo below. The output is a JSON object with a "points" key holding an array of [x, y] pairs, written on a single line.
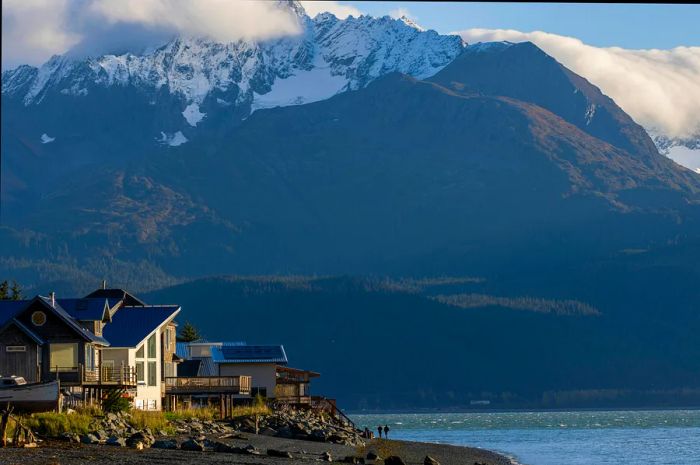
{"points": [[18, 363]]}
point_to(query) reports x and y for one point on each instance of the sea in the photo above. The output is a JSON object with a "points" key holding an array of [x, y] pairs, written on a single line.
{"points": [[630, 437]]}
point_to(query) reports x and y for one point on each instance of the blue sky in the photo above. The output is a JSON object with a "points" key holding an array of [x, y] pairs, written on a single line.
{"points": [[624, 25]]}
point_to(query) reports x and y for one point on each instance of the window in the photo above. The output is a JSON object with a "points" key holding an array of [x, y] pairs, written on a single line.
{"points": [[139, 352], [15, 348], [89, 357], [152, 346], [63, 357], [38, 318], [140, 376], [169, 370], [151, 373]]}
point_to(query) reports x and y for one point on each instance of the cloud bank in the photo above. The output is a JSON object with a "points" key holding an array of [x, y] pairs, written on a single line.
{"points": [[660, 89], [33, 30], [338, 9]]}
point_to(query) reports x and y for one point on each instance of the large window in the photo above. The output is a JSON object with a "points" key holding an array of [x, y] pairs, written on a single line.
{"points": [[140, 376], [152, 346], [139, 352], [152, 374], [63, 357]]}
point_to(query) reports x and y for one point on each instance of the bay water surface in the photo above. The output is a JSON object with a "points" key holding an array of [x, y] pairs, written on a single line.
{"points": [[645, 437]]}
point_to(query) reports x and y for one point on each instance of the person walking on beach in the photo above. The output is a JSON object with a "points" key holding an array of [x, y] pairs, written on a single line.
{"points": [[379, 430], [386, 431]]}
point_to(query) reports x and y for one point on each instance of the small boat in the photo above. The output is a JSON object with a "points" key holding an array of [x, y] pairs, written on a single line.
{"points": [[29, 397]]}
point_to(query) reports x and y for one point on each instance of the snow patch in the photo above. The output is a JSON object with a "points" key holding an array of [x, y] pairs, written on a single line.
{"points": [[192, 114], [223, 103], [590, 113], [173, 140], [303, 87], [690, 158], [46, 139]]}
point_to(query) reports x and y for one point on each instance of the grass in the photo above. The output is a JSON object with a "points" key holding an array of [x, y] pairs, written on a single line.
{"points": [[155, 421], [54, 424]]}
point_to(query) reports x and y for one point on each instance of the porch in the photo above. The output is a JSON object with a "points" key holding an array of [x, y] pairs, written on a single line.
{"points": [[106, 377]]}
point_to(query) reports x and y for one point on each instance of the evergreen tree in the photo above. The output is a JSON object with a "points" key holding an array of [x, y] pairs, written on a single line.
{"points": [[4, 288], [15, 291], [189, 333]]}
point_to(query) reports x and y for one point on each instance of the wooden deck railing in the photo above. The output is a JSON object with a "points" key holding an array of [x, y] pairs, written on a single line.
{"points": [[212, 384], [101, 376]]}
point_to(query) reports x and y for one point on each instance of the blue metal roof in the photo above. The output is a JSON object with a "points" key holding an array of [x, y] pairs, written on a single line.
{"points": [[237, 353], [181, 350], [10, 308], [131, 325], [28, 331], [207, 367], [85, 309]]}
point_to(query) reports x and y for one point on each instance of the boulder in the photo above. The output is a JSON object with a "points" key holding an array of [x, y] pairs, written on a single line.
{"points": [[170, 444], [89, 439], [353, 459], [372, 456], [116, 441], [430, 461], [192, 445], [394, 460], [326, 457], [143, 437], [279, 453]]}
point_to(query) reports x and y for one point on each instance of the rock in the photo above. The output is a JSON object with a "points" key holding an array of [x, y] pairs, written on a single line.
{"points": [[112, 416], [222, 447], [326, 457], [143, 437], [192, 445], [251, 450], [89, 439], [137, 445], [353, 459], [70, 437], [372, 456], [279, 453], [116, 441], [394, 460], [170, 444], [101, 435], [430, 461], [267, 431]]}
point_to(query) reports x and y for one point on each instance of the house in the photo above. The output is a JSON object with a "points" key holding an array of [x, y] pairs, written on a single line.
{"points": [[265, 364], [107, 340]]}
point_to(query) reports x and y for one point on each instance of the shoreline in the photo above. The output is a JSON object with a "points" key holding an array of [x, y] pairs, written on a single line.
{"points": [[412, 453], [352, 413]]}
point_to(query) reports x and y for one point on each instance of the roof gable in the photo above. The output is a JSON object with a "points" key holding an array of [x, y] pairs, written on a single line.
{"points": [[131, 325], [117, 295], [87, 309]]}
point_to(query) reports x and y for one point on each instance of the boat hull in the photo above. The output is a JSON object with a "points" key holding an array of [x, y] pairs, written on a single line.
{"points": [[37, 397]]}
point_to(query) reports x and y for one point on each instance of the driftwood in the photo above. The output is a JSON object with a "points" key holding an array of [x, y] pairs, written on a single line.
{"points": [[22, 437]]}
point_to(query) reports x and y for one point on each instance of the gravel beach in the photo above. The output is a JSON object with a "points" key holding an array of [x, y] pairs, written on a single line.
{"points": [[412, 453]]}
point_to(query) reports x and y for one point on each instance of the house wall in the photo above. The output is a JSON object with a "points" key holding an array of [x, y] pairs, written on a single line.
{"points": [[149, 397], [54, 330], [23, 364], [264, 375]]}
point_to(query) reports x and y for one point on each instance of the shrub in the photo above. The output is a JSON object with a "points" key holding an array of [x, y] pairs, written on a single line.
{"points": [[153, 420]]}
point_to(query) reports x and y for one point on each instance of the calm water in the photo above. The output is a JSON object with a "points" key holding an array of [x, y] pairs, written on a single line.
{"points": [[669, 437]]}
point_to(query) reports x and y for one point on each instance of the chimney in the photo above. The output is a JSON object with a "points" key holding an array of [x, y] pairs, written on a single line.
{"points": [[53, 299], [104, 284]]}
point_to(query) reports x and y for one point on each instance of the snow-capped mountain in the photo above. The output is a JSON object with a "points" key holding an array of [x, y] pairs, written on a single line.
{"points": [[683, 150], [327, 57]]}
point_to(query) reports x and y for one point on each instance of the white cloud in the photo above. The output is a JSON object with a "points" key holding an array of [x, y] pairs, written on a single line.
{"points": [[336, 8], [401, 13], [222, 20], [33, 30], [658, 88]]}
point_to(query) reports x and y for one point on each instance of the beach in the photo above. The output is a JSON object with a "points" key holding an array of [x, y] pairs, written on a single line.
{"points": [[52, 452]]}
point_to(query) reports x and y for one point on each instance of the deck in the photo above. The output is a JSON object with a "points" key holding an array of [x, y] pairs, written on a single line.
{"points": [[238, 385], [102, 377]]}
